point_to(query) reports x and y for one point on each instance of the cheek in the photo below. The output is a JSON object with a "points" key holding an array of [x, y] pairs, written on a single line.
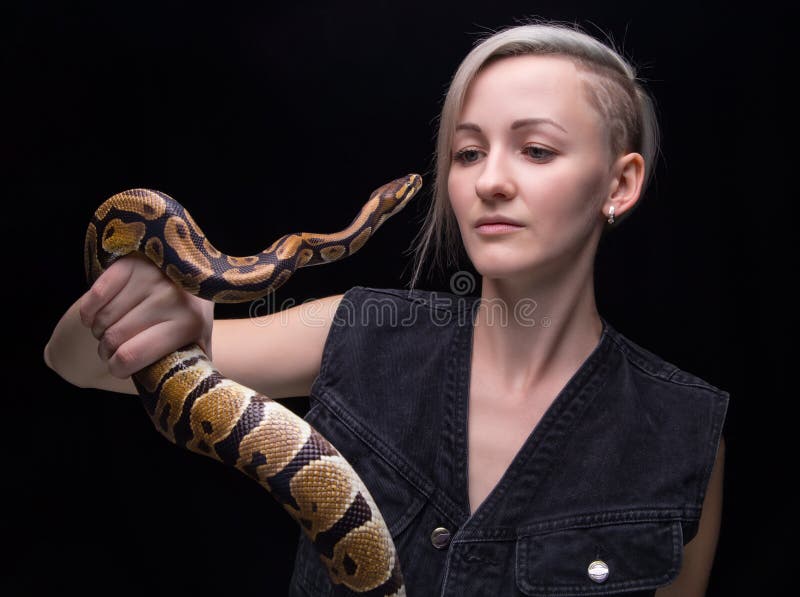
{"points": [[458, 191], [455, 184], [593, 189], [570, 195]]}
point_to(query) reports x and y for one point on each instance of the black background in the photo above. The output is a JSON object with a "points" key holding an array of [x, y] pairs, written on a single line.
{"points": [[266, 118]]}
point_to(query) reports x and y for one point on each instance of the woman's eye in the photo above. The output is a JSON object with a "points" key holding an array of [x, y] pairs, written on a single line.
{"points": [[537, 153], [466, 156]]}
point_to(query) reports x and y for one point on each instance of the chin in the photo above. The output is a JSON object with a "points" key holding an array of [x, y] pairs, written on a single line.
{"points": [[503, 270], [501, 263]]}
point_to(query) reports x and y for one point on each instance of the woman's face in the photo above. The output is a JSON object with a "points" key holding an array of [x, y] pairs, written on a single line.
{"points": [[530, 168]]}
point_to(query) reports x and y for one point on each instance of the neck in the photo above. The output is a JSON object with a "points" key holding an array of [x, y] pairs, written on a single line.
{"points": [[533, 332]]}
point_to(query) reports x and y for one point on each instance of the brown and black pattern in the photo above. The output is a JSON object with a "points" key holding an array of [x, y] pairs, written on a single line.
{"points": [[158, 227], [194, 406]]}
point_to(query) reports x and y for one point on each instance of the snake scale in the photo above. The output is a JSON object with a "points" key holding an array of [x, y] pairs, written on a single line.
{"points": [[194, 406]]}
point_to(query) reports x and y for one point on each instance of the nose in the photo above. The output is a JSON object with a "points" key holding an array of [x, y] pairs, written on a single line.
{"points": [[495, 182]]}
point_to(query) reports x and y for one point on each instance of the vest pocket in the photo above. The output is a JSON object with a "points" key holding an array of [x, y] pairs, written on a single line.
{"points": [[624, 557]]}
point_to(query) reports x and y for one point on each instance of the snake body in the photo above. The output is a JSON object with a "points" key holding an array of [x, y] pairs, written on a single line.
{"points": [[195, 407]]}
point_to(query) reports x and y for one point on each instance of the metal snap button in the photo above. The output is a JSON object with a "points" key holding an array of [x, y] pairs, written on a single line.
{"points": [[440, 537], [598, 571]]}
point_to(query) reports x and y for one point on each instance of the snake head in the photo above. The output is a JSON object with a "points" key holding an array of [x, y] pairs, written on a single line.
{"points": [[395, 195]]}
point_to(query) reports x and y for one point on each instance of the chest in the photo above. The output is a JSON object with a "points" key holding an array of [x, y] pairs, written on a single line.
{"points": [[497, 427]]}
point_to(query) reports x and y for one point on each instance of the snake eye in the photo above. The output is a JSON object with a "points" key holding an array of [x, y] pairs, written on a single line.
{"points": [[109, 232]]}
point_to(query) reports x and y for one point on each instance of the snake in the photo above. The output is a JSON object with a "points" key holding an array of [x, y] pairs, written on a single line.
{"points": [[194, 406]]}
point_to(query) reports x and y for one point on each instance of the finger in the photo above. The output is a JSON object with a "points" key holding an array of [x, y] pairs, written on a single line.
{"points": [[145, 349], [144, 282], [124, 314], [105, 288], [126, 318], [166, 311]]}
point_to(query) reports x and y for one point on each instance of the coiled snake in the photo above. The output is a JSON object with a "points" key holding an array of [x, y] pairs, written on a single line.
{"points": [[194, 406]]}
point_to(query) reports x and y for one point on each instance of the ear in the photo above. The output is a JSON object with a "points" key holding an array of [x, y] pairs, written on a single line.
{"points": [[627, 176]]}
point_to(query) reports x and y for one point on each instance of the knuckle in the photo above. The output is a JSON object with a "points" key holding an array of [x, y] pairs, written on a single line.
{"points": [[110, 341], [102, 353], [168, 290], [145, 269], [99, 327], [159, 296], [98, 289], [123, 362], [101, 318], [84, 313]]}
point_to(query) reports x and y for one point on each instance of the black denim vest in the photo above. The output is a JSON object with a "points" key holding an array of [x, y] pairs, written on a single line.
{"points": [[615, 471]]}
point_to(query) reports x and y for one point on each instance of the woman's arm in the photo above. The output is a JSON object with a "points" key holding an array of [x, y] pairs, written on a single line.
{"points": [[278, 355], [133, 315], [698, 555]]}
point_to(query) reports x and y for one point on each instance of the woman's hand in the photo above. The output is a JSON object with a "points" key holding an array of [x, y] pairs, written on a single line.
{"points": [[139, 315]]}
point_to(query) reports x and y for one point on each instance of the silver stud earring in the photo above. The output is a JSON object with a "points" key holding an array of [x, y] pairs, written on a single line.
{"points": [[611, 214]]}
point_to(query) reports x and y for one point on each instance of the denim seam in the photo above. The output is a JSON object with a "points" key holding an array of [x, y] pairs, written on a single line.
{"points": [[692, 384], [420, 299], [604, 519], [669, 377], [582, 521], [312, 409], [462, 370], [677, 550], [718, 412], [332, 337], [501, 538], [634, 357], [446, 572]]}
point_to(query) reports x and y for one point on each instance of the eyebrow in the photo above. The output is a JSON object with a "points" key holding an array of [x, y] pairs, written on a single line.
{"points": [[469, 126]]}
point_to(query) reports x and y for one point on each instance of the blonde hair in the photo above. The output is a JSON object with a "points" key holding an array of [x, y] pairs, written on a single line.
{"points": [[611, 87]]}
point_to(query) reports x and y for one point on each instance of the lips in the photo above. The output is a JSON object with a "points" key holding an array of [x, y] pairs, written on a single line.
{"points": [[502, 220]]}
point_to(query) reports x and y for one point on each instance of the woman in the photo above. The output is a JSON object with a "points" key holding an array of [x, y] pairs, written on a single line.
{"points": [[509, 454]]}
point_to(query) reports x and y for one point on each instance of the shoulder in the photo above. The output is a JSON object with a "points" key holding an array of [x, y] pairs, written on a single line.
{"points": [[674, 417], [686, 411], [432, 299], [377, 331], [386, 343], [402, 308], [647, 365]]}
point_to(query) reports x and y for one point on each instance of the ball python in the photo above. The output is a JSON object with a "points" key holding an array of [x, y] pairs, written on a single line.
{"points": [[194, 406]]}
